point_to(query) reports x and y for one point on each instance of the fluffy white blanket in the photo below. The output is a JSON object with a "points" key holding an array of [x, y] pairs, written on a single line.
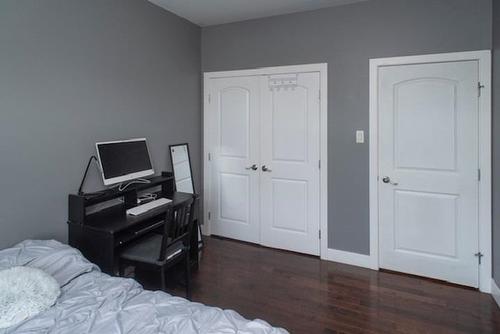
{"points": [[25, 292]]}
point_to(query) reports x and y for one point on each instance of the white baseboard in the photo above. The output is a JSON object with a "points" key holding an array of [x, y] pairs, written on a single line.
{"points": [[485, 285], [495, 292], [366, 261], [205, 230], [353, 259]]}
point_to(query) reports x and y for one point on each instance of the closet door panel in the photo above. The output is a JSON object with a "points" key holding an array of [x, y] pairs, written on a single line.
{"points": [[234, 121], [289, 182]]}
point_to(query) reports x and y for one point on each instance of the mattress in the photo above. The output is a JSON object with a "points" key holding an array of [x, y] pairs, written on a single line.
{"points": [[94, 302]]}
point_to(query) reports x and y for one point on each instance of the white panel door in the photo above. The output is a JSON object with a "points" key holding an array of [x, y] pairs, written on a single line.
{"points": [[428, 170], [234, 123], [290, 153]]}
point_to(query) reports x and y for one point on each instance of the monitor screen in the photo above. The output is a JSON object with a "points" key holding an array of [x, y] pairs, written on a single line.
{"points": [[124, 160]]}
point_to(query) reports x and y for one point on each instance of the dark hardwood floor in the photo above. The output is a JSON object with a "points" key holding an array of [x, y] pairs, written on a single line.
{"points": [[306, 295]]}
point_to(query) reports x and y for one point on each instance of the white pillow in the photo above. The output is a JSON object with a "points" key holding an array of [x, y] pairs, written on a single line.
{"points": [[25, 292]]}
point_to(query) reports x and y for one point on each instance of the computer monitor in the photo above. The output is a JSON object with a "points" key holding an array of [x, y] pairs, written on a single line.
{"points": [[124, 160]]}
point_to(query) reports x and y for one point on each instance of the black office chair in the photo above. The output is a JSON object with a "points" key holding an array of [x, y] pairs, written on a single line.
{"points": [[162, 251]]}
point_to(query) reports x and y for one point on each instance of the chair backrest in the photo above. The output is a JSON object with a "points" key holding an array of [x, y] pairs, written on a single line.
{"points": [[178, 226]]}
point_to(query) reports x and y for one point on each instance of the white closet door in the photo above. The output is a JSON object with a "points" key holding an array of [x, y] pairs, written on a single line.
{"points": [[290, 153], [234, 120], [429, 170]]}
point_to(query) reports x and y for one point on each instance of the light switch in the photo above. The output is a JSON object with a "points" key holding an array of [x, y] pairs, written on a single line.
{"points": [[360, 137]]}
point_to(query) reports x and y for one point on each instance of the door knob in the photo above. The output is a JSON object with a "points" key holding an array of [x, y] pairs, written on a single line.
{"points": [[265, 169], [387, 179], [253, 167]]}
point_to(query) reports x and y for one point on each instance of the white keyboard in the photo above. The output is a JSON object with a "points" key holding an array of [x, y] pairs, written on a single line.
{"points": [[141, 209]]}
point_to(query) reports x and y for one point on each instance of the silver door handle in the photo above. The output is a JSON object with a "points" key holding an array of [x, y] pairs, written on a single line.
{"points": [[387, 179], [265, 169], [253, 167]]}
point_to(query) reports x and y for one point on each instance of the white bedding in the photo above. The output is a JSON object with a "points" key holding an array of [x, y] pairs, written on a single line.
{"points": [[93, 302]]}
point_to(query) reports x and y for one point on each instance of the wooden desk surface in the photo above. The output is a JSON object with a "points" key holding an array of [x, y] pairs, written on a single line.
{"points": [[115, 219]]}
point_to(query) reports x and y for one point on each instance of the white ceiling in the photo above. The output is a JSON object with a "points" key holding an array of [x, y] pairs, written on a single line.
{"points": [[211, 12]]}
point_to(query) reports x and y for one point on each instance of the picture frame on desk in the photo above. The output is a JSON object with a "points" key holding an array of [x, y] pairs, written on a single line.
{"points": [[180, 161]]}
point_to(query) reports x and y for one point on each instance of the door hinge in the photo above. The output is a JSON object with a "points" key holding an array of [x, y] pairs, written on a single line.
{"points": [[479, 174], [209, 215], [319, 234], [319, 95], [479, 88], [209, 98], [319, 164], [479, 255], [209, 156]]}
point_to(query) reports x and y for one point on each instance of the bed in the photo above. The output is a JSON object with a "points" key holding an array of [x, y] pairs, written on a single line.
{"points": [[94, 302]]}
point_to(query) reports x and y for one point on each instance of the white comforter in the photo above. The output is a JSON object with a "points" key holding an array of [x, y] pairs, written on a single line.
{"points": [[93, 302]]}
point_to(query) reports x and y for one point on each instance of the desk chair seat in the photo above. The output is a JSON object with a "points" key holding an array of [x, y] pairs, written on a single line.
{"points": [[148, 248], [162, 251]]}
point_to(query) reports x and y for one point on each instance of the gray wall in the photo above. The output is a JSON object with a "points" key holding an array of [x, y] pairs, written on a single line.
{"points": [[346, 38], [496, 141], [73, 72]]}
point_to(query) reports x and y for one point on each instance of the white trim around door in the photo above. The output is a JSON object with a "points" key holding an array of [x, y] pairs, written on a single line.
{"points": [[323, 71], [495, 292], [484, 60]]}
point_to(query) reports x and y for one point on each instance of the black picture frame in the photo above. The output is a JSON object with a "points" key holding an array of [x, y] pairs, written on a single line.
{"points": [[170, 147]]}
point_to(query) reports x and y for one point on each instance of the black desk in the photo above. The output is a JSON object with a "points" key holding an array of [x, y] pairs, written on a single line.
{"points": [[100, 235]]}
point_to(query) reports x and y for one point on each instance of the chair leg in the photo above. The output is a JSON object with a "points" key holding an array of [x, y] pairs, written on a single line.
{"points": [[188, 277], [200, 242], [163, 279]]}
